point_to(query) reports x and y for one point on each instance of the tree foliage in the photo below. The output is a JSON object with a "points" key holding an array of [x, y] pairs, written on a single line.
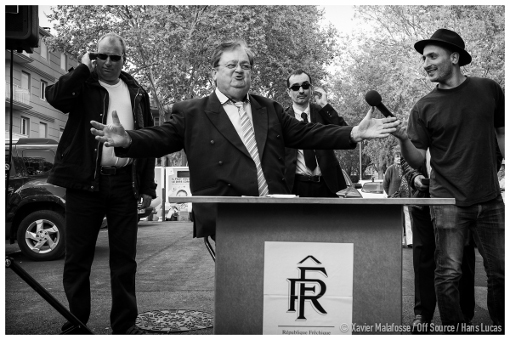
{"points": [[169, 47], [380, 56]]}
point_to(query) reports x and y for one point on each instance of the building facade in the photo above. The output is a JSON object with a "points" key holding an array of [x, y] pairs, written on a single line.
{"points": [[32, 115]]}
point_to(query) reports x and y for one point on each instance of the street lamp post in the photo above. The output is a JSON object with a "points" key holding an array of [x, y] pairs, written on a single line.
{"points": [[360, 166]]}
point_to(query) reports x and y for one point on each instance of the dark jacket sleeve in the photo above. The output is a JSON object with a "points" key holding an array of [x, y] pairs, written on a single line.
{"points": [[410, 173], [147, 183], [156, 141], [301, 135], [62, 95], [329, 114]]}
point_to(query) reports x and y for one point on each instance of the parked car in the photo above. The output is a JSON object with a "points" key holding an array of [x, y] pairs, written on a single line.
{"points": [[372, 188], [35, 209]]}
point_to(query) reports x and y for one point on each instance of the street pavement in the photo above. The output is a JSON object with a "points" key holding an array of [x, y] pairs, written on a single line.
{"points": [[175, 271]]}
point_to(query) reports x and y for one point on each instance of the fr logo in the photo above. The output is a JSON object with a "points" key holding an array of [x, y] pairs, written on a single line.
{"points": [[303, 289]]}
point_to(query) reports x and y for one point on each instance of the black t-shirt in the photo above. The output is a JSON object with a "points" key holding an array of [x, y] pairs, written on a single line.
{"points": [[458, 126]]}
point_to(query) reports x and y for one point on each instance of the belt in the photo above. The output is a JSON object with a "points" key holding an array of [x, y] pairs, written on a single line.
{"points": [[112, 171], [307, 178]]}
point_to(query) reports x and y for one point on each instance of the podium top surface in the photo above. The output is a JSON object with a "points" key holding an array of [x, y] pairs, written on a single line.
{"points": [[289, 199]]}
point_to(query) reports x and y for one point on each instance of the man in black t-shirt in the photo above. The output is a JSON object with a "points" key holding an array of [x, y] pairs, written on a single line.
{"points": [[460, 121]]}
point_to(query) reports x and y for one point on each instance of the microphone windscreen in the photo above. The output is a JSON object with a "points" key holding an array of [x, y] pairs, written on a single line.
{"points": [[373, 98]]}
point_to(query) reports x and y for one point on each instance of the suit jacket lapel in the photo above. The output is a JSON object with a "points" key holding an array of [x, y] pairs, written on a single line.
{"points": [[260, 124], [219, 118]]}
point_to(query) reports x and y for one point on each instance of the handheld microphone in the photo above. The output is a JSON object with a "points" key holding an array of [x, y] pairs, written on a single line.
{"points": [[373, 98]]}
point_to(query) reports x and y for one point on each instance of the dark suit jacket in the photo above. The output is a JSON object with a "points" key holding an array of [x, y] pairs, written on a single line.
{"points": [[330, 169], [219, 163]]}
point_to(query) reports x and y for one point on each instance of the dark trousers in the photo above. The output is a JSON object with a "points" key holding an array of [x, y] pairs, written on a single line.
{"points": [[424, 266], [312, 189], [84, 213]]}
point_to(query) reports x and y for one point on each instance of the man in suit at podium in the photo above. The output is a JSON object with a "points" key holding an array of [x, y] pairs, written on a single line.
{"points": [[235, 141], [311, 173]]}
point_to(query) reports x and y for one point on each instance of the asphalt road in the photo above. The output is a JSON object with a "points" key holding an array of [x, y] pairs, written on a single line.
{"points": [[175, 271]]}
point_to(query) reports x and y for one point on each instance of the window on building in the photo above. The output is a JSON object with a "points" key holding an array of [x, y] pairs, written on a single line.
{"points": [[63, 61], [44, 50], [43, 130], [25, 81], [44, 85], [24, 126]]}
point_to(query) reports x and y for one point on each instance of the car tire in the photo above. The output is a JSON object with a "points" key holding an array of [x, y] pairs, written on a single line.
{"points": [[41, 235]]}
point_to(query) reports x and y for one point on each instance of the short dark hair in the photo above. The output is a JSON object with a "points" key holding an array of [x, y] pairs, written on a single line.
{"points": [[297, 73], [114, 36], [228, 46]]}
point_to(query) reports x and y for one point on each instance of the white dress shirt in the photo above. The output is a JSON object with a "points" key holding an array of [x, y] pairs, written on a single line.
{"points": [[301, 168]]}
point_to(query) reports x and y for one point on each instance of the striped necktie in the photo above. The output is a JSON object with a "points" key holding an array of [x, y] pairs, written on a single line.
{"points": [[251, 145]]}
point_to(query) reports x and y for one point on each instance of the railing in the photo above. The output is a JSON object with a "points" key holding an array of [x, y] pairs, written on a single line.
{"points": [[20, 95]]}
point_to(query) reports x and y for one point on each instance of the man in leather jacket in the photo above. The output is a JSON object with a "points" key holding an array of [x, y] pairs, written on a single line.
{"points": [[99, 183]]}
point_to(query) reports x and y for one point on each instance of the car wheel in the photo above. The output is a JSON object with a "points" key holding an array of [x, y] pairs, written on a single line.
{"points": [[41, 235]]}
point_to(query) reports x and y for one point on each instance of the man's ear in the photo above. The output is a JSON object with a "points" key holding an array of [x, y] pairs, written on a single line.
{"points": [[214, 72], [455, 57]]}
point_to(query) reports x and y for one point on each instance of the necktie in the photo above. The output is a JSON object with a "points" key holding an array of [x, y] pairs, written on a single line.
{"points": [[251, 145], [309, 154]]}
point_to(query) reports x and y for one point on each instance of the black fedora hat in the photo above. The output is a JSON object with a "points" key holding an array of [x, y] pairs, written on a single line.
{"points": [[449, 39]]}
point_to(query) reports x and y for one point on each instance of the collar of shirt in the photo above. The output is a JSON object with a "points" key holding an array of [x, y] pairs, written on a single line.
{"points": [[298, 111], [224, 99], [233, 113]]}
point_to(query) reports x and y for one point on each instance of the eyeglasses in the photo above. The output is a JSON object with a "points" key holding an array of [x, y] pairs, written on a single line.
{"points": [[103, 56], [305, 86], [232, 66]]}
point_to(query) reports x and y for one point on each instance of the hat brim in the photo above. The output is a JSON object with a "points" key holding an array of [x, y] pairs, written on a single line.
{"points": [[465, 58]]}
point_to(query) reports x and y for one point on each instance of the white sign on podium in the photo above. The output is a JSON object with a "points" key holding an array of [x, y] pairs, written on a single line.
{"points": [[308, 288]]}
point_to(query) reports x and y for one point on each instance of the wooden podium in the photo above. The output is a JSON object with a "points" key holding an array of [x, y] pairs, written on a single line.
{"points": [[373, 226]]}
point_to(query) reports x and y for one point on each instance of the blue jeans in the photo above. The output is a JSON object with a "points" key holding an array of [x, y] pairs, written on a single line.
{"points": [[452, 228]]}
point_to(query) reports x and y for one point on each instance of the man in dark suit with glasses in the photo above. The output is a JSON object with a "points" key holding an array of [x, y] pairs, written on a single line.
{"points": [[309, 172]]}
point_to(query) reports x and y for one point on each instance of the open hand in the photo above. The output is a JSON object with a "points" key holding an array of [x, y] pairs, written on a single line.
{"points": [[111, 134], [371, 128]]}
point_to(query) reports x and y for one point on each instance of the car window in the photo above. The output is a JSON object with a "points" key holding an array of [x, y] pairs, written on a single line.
{"points": [[16, 169], [373, 187], [38, 161]]}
